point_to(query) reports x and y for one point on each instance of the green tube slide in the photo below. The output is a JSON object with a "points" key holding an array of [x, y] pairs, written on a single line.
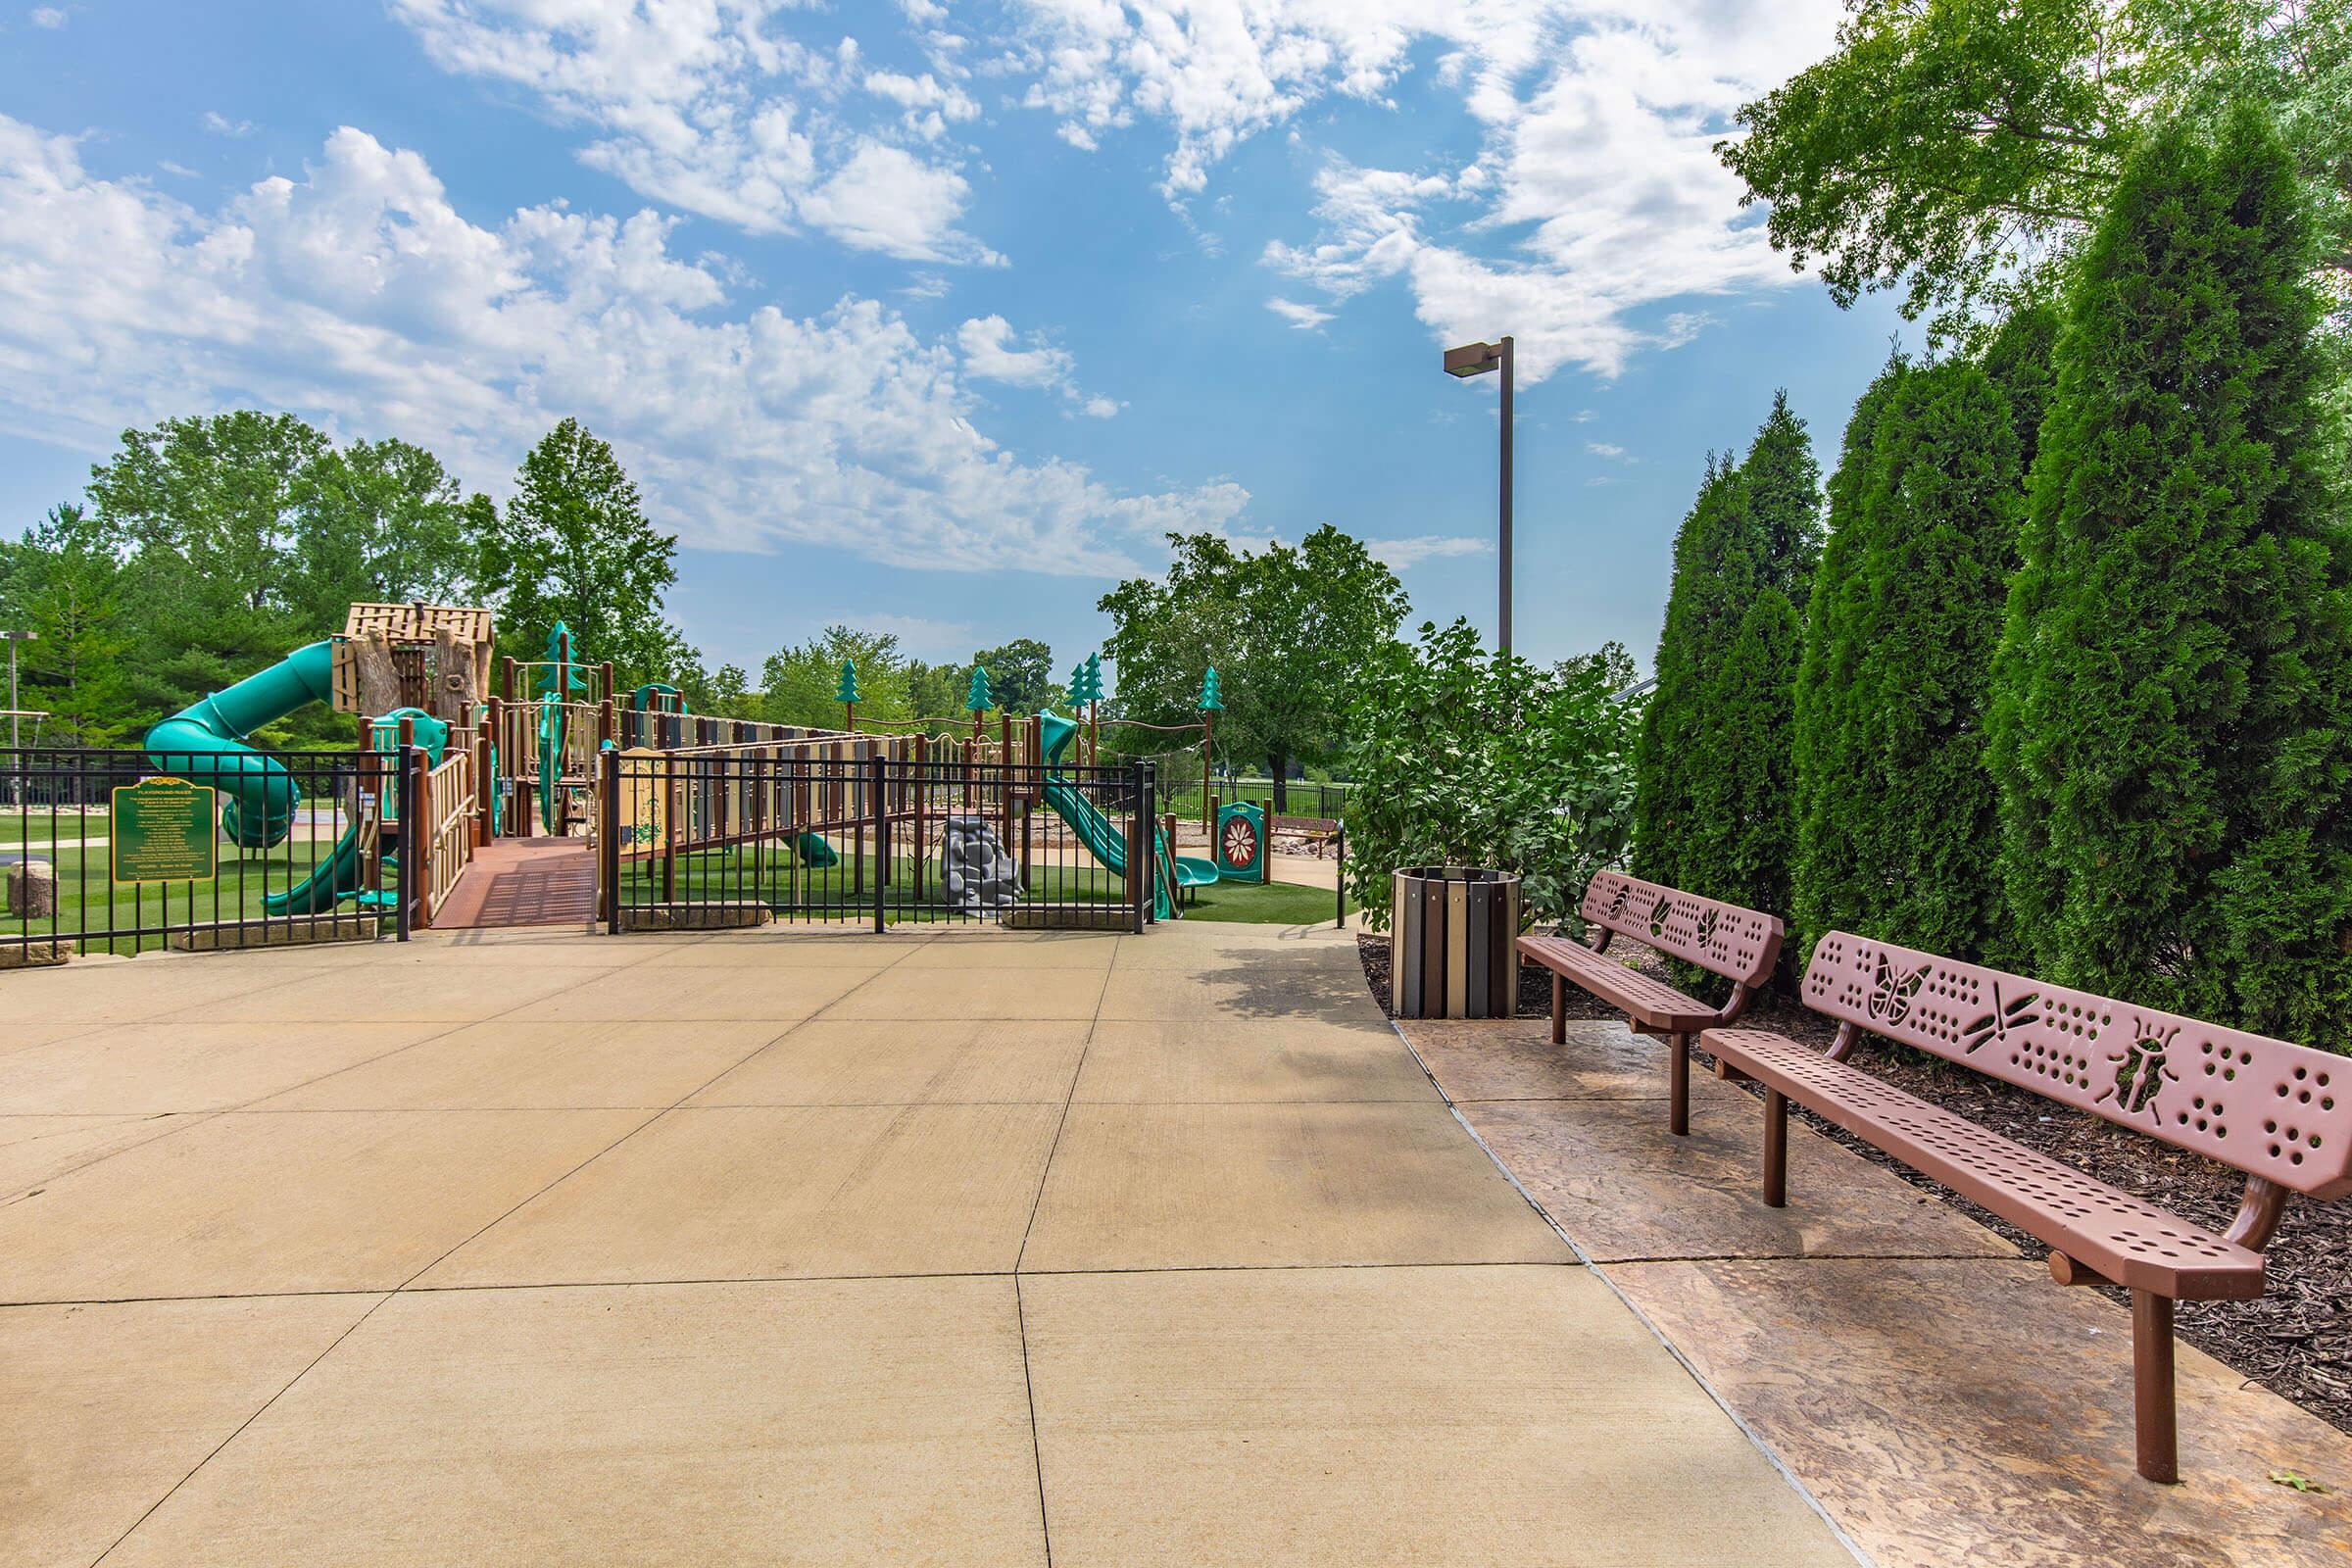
{"points": [[205, 743]]}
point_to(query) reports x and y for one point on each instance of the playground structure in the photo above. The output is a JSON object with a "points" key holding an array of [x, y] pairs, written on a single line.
{"points": [[641, 808]]}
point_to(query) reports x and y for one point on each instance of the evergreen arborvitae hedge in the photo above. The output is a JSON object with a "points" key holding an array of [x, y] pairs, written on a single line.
{"points": [[1715, 809], [2173, 741], [1900, 813], [1824, 678]]}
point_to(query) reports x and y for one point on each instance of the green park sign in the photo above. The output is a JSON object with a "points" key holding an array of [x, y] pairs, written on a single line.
{"points": [[164, 830]]}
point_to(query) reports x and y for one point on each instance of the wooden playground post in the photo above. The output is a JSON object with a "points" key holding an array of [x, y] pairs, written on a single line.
{"points": [[669, 831], [485, 788], [863, 759], [506, 679], [921, 789], [605, 672]]}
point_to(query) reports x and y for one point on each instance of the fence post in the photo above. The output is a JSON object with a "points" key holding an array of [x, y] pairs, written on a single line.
{"points": [[608, 806], [405, 792], [1340, 840], [1135, 846], [877, 794]]}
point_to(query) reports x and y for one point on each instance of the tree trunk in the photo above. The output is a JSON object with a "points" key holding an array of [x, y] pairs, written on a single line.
{"points": [[1279, 764], [379, 676]]}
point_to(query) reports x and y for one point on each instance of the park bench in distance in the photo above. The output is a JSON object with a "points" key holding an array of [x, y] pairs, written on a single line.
{"points": [[1741, 944], [2279, 1112]]}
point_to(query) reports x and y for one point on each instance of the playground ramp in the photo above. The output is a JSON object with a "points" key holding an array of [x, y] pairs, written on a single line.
{"points": [[520, 882]]}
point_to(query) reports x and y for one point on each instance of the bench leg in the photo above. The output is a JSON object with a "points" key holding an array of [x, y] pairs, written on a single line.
{"points": [[1776, 1148], [1559, 1012], [1678, 1104], [2158, 1438]]}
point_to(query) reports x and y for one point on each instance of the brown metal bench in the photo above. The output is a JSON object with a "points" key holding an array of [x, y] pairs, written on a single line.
{"points": [[2279, 1112], [1741, 944]]}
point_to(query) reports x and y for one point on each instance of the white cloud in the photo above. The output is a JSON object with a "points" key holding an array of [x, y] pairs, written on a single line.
{"points": [[991, 353], [220, 124], [1400, 555], [988, 355], [706, 105], [1594, 194], [358, 296], [1605, 448], [47, 17], [1306, 317]]}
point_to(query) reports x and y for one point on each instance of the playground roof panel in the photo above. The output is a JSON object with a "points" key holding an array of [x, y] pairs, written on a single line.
{"points": [[418, 623]]}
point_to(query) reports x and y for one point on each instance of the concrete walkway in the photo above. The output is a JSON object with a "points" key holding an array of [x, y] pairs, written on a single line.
{"points": [[539, 1248]]}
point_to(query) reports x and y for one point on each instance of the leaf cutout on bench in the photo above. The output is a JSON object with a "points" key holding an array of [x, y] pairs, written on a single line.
{"points": [[1617, 900], [1706, 927], [1658, 914]]}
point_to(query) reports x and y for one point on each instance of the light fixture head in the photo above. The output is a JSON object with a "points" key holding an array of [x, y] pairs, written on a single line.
{"points": [[1473, 359]]}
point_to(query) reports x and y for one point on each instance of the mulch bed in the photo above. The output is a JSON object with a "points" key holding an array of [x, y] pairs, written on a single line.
{"points": [[2296, 1340]]}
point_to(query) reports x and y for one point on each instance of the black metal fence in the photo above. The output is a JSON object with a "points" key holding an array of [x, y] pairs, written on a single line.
{"points": [[742, 836], [303, 846]]}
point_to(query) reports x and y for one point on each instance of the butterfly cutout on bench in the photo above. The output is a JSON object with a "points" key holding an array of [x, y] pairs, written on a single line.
{"points": [[1891, 995]]}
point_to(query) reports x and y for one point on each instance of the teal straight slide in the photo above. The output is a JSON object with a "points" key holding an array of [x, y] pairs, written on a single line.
{"points": [[1100, 835]]}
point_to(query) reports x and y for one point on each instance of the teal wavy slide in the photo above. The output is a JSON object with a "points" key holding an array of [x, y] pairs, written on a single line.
{"points": [[205, 743], [1098, 833]]}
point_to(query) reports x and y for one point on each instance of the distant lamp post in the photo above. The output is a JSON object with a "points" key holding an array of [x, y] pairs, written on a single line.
{"points": [[1476, 359], [14, 718]]}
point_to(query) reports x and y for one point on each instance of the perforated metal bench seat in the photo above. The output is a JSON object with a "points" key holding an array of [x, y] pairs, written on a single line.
{"points": [[2125, 1239], [1645, 998]]}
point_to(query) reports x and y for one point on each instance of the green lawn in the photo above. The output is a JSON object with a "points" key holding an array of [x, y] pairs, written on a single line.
{"points": [[89, 908], [1263, 904], [780, 881], [720, 877]]}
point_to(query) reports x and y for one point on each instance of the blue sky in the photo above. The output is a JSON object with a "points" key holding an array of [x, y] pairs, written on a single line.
{"points": [[935, 316]]}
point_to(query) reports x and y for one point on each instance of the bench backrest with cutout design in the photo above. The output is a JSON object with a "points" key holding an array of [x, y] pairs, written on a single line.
{"points": [[2269, 1108], [1741, 944]]}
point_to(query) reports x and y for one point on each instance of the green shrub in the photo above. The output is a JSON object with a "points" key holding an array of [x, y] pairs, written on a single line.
{"points": [[1898, 810], [2171, 733], [1463, 755]]}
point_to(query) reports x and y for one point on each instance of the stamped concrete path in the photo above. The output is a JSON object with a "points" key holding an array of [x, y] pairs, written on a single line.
{"points": [[1942, 1397], [508, 1248]]}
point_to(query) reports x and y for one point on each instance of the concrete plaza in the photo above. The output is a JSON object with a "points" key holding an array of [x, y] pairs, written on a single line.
{"points": [[538, 1248]]}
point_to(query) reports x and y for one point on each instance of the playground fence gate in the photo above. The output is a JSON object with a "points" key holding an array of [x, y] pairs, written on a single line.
{"points": [[805, 833]]}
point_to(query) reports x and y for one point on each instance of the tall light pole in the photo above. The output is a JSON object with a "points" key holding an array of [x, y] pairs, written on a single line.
{"points": [[1476, 359], [15, 637]]}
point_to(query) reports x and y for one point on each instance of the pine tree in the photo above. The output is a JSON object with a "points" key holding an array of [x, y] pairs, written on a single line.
{"points": [[2173, 739], [1899, 809], [1715, 810]]}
